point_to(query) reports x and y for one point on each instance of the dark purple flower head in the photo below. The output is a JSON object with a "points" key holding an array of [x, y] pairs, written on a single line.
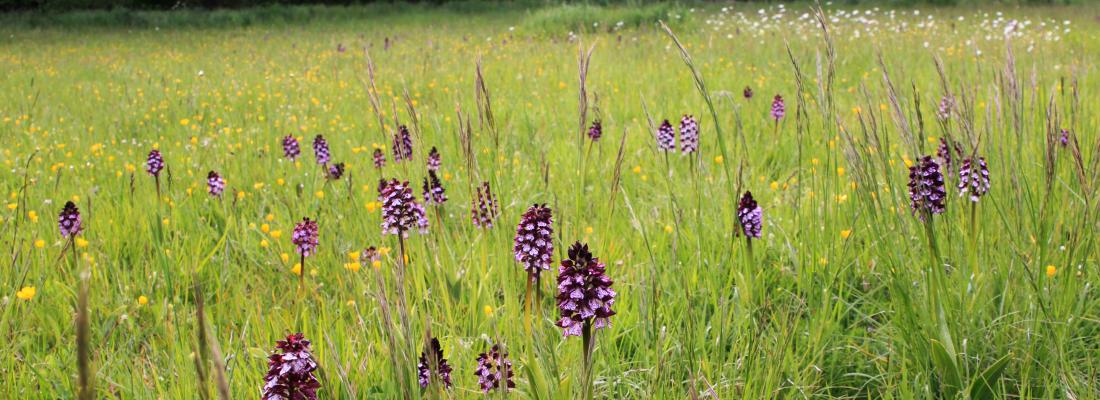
{"points": [[973, 178], [595, 131], [400, 211], [750, 215], [335, 171], [926, 191], [747, 93], [778, 108], [154, 163], [433, 190], [493, 369], [946, 153], [69, 222], [432, 366], [584, 292], [369, 256], [320, 150], [305, 237], [666, 137], [379, 159], [402, 144], [485, 208], [291, 149], [215, 184], [947, 103], [290, 371], [534, 245], [689, 134], [433, 159], [1063, 139]]}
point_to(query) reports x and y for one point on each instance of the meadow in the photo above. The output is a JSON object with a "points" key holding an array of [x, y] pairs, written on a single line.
{"points": [[857, 267]]}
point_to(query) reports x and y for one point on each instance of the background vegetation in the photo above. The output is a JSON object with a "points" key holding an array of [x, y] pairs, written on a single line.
{"points": [[841, 298]]}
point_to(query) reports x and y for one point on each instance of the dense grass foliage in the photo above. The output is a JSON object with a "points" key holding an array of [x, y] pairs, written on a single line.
{"points": [[848, 293]]}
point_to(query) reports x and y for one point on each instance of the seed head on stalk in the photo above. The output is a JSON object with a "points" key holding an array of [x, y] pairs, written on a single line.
{"points": [[484, 209]]}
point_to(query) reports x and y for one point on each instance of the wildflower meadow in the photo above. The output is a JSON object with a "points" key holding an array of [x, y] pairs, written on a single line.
{"points": [[666, 201]]}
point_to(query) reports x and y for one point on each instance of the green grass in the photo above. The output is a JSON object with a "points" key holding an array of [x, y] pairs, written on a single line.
{"points": [[840, 298]]}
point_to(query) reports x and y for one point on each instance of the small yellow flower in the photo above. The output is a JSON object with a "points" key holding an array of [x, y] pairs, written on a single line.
{"points": [[668, 228], [588, 230], [80, 242], [285, 257], [377, 264], [1051, 270], [264, 243], [775, 185], [26, 293], [353, 255], [370, 206], [488, 311], [33, 216], [320, 194], [280, 181], [270, 217], [638, 169], [142, 300], [297, 270], [844, 234], [39, 243], [276, 234], [265, 228], [351, 303], [185, 122], [718, 160], [13, 206], [352, 266], [240, 195], [839, 171], [383, 251], [165, 221]]}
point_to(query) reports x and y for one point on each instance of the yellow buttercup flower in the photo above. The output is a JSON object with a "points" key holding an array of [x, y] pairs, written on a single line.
{"points": [[39, 243], [26, 293], [297, 270], [844, 234], [1051, 270], [142, 300]]}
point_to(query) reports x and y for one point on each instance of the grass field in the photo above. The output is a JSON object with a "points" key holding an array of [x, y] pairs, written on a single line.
{"points": [[848, 293]]}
